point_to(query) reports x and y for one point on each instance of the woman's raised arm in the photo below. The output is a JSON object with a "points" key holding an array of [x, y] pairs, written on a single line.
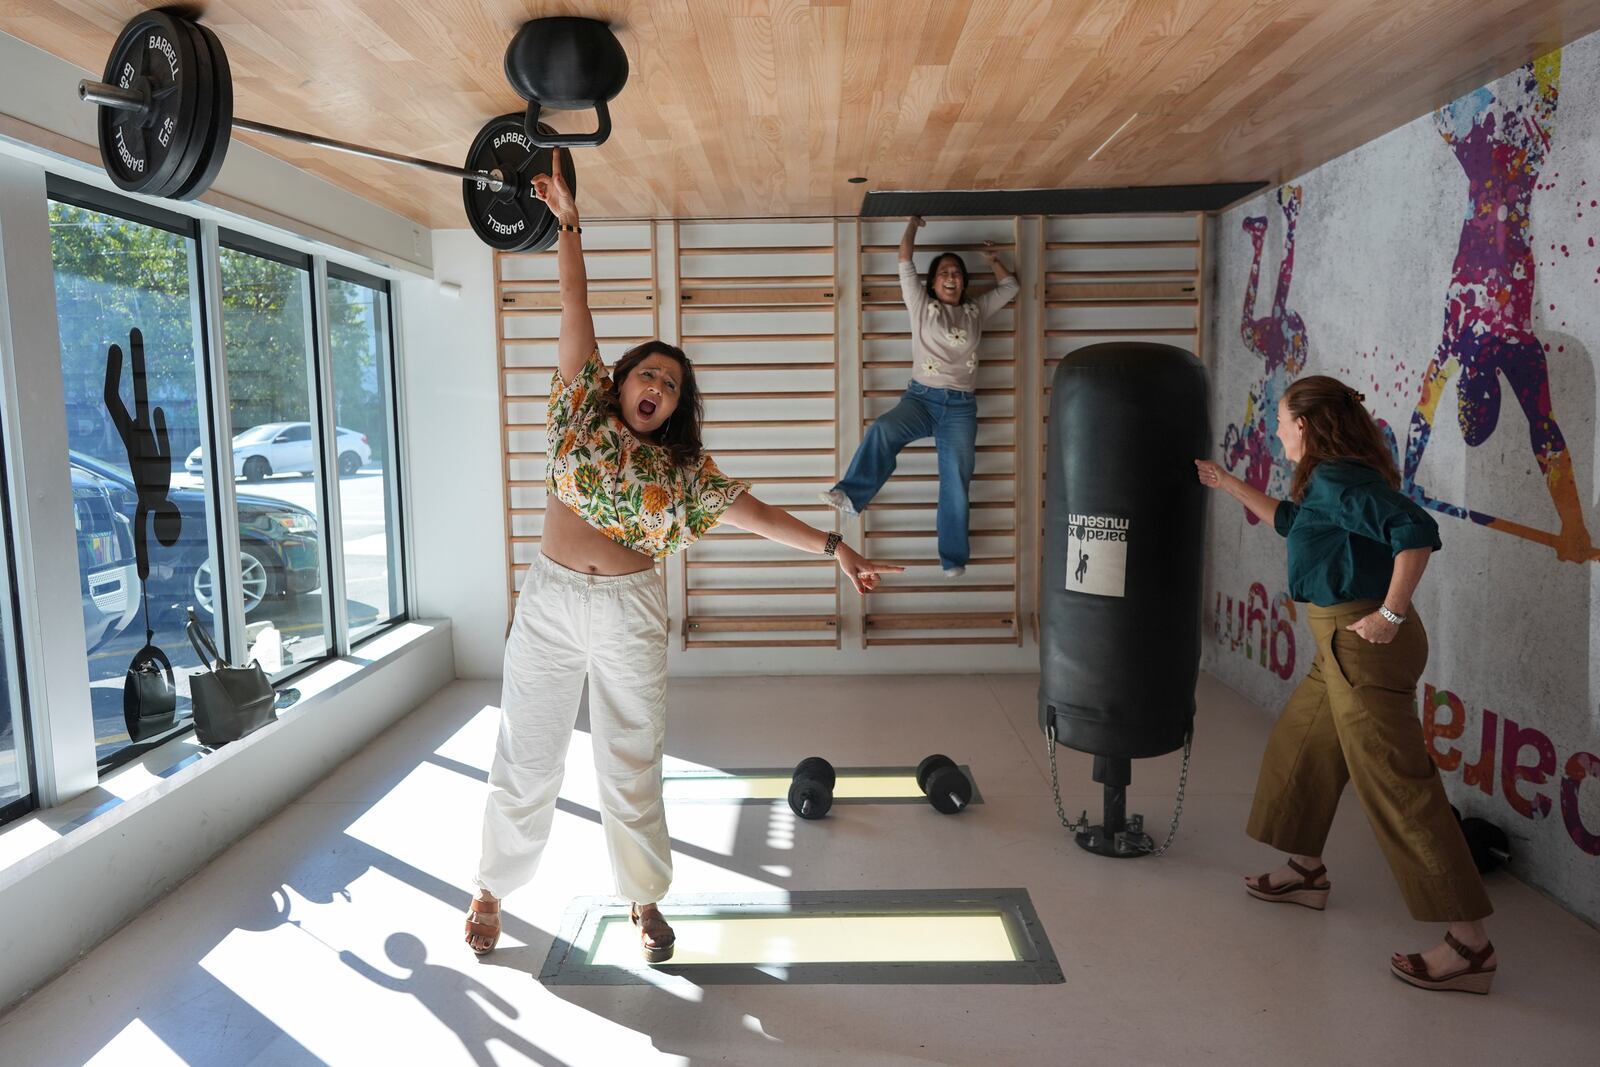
{"points": [[577, 322]]}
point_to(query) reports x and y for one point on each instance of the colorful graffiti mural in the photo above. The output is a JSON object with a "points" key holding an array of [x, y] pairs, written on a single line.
{"points": [[1502, 745], [1260, 627], [1279, 338], [1501, 136]]}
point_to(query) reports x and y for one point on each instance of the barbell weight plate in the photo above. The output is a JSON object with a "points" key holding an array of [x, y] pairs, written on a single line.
{"points": [[204, 109], [551, 232], [511, 219], [818, 768], [926, 768], [949, 791], [809, 798], [144, 153], [219, 132]]}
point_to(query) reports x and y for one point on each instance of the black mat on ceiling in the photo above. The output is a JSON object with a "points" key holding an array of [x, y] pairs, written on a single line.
{"points": [[1130, 200]]}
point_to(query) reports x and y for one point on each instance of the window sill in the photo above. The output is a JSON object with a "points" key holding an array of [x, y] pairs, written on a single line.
{"points": [[36, 838]]}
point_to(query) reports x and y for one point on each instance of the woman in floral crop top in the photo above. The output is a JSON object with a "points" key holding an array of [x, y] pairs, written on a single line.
{"points": [[628, 484]]}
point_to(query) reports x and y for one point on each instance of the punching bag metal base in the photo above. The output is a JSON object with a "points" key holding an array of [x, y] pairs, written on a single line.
{"points": [[1118, 835]]}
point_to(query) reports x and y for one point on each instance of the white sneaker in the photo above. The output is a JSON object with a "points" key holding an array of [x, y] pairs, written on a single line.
{"points": [[954, 572], [836, 500]]}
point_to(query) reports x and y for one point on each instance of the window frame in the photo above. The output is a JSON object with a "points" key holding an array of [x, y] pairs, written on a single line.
{"points": [[15, 695], [394, 440], [246, 244]]}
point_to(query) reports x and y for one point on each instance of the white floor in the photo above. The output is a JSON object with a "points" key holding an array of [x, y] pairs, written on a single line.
{"points": [[332, 934]]}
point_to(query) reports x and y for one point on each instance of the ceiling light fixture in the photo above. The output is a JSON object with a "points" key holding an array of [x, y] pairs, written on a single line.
{"points": [[1113, 137], [856, 180]]}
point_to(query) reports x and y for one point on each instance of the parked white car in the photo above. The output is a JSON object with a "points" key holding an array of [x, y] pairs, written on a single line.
{"points": [[286, 447]]}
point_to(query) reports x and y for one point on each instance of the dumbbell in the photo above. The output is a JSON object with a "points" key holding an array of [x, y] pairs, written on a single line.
{"points": [[1487, 842], [166, 119], [811, 792], [947, 788]]}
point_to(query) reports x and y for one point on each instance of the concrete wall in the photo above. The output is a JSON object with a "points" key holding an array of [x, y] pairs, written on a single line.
{"points": [[1387, 291]]}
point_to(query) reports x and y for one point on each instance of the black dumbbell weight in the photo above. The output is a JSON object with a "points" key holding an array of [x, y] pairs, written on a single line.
{"points": [[811, 791], [947, 788], [1487, 842]]}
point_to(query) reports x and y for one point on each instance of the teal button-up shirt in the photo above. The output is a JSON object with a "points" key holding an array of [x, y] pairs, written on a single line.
{"points": [[1344, 535]]}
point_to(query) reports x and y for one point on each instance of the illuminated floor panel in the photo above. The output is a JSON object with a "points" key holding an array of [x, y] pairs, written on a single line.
{"points": [[939, 937], [855, 785]]}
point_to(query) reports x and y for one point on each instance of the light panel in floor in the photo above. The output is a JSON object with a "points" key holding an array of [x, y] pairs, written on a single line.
{"points": [[821, 938], [857, 785], [953, 936]]}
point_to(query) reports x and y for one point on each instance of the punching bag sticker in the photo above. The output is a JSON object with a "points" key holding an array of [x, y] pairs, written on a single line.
{"points": [[1097, 554]]}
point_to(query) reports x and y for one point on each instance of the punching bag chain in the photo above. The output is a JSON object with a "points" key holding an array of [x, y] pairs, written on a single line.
{"points": [[1083, 820], [1183, 781], [1055, 785]]}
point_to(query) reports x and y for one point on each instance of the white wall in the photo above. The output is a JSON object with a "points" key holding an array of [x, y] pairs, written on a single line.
{"points": [[453, 432]]}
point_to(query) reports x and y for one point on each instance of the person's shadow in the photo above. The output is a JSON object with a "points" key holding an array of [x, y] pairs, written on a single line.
{"points": [[448, 994]]}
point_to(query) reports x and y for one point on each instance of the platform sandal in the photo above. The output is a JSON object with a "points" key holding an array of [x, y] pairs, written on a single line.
{"points": [[1473, 978], [478, 930], [1304, 891], [655, 936]]}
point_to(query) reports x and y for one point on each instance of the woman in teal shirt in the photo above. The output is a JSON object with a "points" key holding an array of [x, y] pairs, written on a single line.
{"points": [[1357, 549]]}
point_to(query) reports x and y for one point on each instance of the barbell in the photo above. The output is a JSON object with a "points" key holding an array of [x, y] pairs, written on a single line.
{"points": [[166, 119]]}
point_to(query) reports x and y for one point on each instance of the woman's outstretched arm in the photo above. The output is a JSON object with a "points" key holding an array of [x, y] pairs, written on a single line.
{"points": [[775, 524], [1260, 504]]}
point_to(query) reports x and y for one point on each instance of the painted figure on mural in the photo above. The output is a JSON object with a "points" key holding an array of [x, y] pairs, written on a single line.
{"points": [[1501, 137], [1279, 338]]}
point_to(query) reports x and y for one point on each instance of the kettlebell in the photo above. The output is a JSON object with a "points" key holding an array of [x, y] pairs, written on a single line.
{"points": [[566, 64]]}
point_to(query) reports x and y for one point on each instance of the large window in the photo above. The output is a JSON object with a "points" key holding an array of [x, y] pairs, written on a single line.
{"points": [[268, 338], [16, 788], [131, 426], [358, 320], [290, 549]]}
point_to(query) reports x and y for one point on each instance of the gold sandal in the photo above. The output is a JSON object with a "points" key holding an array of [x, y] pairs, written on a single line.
{"points": [[1473, 978], [1303, 891], [655, 936], [475, 929]]}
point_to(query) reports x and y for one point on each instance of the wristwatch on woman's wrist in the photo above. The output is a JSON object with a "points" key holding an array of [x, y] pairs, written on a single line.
{"points": [[832, 544], [1383, 609]]}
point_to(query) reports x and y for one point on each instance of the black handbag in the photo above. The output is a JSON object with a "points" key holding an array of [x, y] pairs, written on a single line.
{"points": [[229, 702], [149, 695]]}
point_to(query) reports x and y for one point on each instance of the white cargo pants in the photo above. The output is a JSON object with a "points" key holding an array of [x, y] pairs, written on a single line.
{"points": [[612, 631]]}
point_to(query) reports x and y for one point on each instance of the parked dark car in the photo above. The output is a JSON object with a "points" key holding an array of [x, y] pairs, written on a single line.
{"points": [[108, 577], [278, 553]]}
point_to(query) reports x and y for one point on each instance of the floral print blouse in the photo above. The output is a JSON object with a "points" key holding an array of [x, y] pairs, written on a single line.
{"points": [[626, 488]]}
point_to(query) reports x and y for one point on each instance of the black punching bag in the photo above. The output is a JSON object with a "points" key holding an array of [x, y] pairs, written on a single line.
{"points": [[1124, 529]]}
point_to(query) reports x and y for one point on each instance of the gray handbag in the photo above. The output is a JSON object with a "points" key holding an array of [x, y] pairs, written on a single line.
{"points": [[229, 702]]}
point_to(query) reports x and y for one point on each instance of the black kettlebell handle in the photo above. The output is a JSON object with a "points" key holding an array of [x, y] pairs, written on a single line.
{"points": [[547, 138]]}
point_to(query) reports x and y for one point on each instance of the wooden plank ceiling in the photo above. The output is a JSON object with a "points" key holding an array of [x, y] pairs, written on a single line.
{"points": [[765, 108]]}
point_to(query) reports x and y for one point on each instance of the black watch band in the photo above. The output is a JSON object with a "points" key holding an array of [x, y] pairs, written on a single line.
{"points": [[832, 544]]}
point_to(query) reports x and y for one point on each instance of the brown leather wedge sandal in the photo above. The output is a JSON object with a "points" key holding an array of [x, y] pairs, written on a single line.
{"points": [[1303, 891], [655, 936], [1473, 978], [477, 931]]}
